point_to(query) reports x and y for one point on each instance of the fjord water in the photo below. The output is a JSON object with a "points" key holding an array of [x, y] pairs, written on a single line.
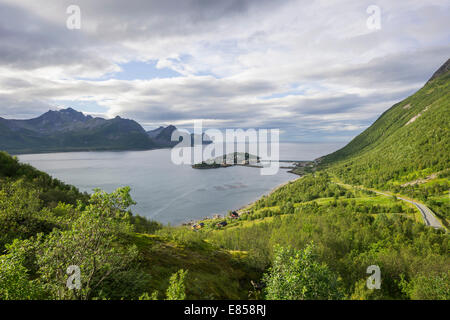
{"points": [[167, 192]]}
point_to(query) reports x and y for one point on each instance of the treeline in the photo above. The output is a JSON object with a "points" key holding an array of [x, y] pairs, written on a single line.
{"points": [[311, 187], [352, 205], [51, 191]]}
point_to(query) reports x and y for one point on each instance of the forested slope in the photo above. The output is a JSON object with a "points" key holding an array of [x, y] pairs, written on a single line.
{"points": [[408, 141]]}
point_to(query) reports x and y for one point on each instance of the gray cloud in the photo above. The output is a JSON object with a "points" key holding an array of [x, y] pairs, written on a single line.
{"points": [[30, 42], [309, 68], [413, 67]]}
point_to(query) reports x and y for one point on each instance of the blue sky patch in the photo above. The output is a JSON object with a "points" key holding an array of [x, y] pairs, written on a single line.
{"points": [[139, 70]]}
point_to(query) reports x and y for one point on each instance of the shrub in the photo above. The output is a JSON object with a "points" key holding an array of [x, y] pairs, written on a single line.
{"points": [[297, 275]]}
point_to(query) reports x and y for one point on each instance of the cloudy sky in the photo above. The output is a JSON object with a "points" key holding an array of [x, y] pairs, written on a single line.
{"points": [[313, 69]]}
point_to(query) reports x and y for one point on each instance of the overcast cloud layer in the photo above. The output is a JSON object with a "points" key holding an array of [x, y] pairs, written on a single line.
{"points": [[311, 68]]}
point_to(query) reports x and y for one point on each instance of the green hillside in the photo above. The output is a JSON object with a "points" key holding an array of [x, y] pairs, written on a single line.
{"points": [[350, 229], [407, 150], [409, 141]]}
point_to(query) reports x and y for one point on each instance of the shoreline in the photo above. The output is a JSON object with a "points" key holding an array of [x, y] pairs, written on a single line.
{"points": [[269, 193], [192, 222], [211, 215]]}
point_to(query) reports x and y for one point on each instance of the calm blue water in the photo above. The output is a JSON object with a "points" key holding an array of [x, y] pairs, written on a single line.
{"points": [[167, 192]]}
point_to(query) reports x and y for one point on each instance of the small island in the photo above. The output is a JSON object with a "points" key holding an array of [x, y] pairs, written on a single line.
{"points": [[205, 165], [228, 160]]}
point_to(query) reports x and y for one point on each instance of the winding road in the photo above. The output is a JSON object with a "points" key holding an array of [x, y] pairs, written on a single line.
{"points": [[428, 216]]}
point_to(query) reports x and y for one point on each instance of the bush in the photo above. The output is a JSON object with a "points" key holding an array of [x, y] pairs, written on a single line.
{"points": [[14, 281], [429, 287], [297, 275], [177, 290]]}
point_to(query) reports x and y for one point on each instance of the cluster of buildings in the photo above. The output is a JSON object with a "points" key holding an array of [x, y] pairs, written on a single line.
{"points": [[198, 226]]}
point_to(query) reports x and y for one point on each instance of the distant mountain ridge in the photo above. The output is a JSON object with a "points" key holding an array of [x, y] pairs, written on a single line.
{"points": [[155, 132], [162, 136], [70, 130]]}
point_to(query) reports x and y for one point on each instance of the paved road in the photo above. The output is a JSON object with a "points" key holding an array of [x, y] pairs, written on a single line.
{"points": [[428, 216]]}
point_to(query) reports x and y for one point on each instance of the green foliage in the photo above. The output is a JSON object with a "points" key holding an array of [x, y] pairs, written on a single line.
{"points": [[177, 289], [90, 244], [298, 275], [14, 280], [311, 187], [144, 225], [435, 194], [93, 240], [213, 273], [361, 292], [429, 287], [146, 296], [111, 205], [20, 213], [51, 191], [349, 236]]}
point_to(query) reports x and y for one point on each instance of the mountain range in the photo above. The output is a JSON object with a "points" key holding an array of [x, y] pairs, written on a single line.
{"points": [[71, 130], [162, 136]]}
